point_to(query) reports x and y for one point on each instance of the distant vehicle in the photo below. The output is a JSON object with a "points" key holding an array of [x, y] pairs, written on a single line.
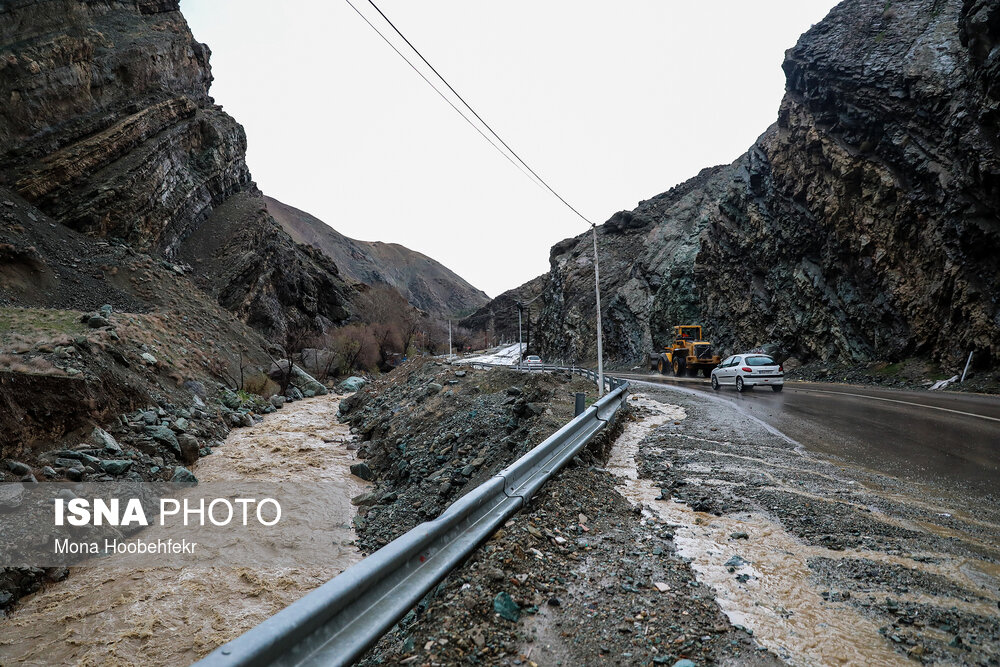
{"points": [[686, 354], [749, 370], [533, 360]]}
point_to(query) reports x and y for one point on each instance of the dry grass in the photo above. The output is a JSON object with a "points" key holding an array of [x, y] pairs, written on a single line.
{"points": [[28, 366]]}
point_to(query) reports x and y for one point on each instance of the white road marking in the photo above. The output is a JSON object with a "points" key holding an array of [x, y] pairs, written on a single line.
{"points": [[893, 400]]}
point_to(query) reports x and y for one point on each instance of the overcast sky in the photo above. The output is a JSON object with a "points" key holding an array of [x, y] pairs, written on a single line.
{"points": [[610, 102]]}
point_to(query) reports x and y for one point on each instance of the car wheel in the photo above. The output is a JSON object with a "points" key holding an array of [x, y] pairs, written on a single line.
{"points": [[739, 384], [715, 383], [777, 387]]}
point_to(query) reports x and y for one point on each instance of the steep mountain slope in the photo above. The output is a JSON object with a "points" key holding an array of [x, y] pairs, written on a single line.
{"points": [[108, 128], [862, 225], [425, 283]]}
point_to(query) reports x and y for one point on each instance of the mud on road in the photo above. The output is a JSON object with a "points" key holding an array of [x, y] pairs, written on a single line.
{"points": [[826, 562]]}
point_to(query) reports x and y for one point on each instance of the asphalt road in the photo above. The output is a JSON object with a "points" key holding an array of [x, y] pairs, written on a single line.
{"points": [[948, 440]]}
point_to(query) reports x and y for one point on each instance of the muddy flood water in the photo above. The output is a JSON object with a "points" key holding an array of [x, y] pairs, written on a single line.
{"points": [[173, 616], [926, 586]]}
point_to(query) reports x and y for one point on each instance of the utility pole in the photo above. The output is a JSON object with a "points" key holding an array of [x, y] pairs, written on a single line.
{"points": [[449, 339], [520, 350], [597, 290]]}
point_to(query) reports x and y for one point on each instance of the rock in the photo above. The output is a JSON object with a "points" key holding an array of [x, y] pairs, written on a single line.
{"points": [[684, 662], [369, 498], [148, 358], [735, 561], [49, 472], [189, 448], [294, 394], [183, 476], [116, 466], [11, 496], [504, 605], [363, 471], [96, 322], [75, 474], [299, 378], [352, 384], [181, 425], [18, 468], [460, 374], [308, 393], [105, 311], [514, 391], [196, 388], [433, 388], [103, 439], [230, 399], [67, 463], [277, 402], [739, 536], [166, 436], [150, 418]]}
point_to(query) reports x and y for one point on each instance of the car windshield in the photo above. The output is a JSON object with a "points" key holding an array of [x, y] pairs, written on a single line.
{"points": [[534, 358], [761, 361]]}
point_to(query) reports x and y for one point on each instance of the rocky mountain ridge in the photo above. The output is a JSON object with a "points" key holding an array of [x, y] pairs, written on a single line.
{"points": [[424, 282], [863, 225]]}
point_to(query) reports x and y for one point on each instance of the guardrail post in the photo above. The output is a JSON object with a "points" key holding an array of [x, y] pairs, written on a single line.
{"points": [[581, 403]]}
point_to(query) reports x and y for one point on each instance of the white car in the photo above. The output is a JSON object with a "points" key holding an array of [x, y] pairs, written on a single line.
{"points": [[749, 370], [533, 360]]}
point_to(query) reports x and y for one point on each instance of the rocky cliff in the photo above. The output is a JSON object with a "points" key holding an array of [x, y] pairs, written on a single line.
{"points": [[108, 128], [862, 225], [424, 282]]}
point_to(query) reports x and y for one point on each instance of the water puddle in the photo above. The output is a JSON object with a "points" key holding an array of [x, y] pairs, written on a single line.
{"points": [[762, 581], [171, 616]]}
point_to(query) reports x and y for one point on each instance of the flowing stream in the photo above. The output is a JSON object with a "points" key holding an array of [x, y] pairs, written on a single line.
{"points": [[173, 616]]}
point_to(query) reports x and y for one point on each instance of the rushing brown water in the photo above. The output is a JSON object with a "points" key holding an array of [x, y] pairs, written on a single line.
{"points": [[172, 616], [780, 599]]}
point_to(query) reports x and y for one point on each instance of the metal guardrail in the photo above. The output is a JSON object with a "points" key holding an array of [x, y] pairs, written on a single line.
{"points": [[337, 622]]}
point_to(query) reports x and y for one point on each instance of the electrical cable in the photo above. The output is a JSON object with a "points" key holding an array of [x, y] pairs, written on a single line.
{"points": [[443, 96], [469, 107]]}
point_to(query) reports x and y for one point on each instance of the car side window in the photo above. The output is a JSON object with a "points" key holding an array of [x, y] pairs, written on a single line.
{"points": [[735, 361]]}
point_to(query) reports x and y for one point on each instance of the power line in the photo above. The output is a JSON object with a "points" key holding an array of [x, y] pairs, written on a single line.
{"points": [[443, 96], [469, 107]]}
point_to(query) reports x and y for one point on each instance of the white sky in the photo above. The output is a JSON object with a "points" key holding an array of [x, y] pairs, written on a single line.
{"points": [[610, 102]]}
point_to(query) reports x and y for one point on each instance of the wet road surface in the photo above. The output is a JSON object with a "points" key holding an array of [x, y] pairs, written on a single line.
{"points": [[950, 441]]}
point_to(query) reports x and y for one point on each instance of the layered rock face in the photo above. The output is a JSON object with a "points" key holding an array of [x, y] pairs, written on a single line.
{"points": [[108, 128], [107, 124], [862, 225]]}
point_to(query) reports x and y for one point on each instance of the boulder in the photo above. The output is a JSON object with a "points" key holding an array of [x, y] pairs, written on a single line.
{"points": [[18, 468], [363, 471], [299, 378], [104, 440], [148, 358], [196, 388], [166, 436], [352, 384], [183, 476], [116, 466], [277, 401], [11, 497], [189, 448], [96, 322]]}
